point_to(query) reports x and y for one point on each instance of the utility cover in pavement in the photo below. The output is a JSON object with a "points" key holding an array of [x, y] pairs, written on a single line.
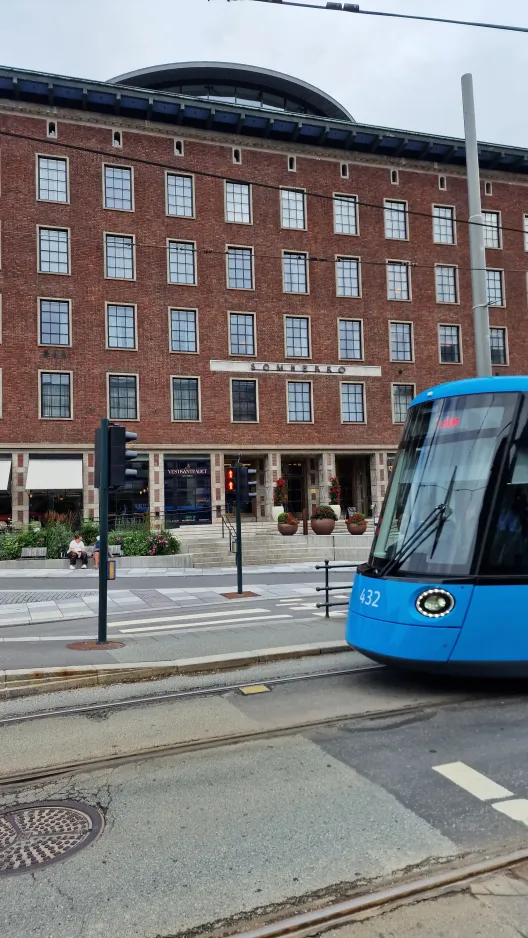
{"points": [[36, 596], [35, 835]]}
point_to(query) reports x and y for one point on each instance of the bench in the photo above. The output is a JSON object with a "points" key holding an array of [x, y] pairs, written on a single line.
{"points": [[116, 550], [32, 552]]}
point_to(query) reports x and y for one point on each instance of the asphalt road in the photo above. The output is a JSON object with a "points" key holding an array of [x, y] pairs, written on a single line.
{"points": [[78, 580], [222, 834]]}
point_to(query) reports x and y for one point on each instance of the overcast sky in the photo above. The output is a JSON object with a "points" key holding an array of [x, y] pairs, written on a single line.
{"points": [[388, 72]]}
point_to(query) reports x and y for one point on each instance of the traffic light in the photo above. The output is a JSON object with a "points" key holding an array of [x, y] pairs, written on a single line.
{"points": [[119, 473], [230, 480], [248, 485]]}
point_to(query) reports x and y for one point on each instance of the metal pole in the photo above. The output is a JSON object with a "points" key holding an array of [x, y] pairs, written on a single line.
{"points": [[476, 236], [327, 592], [238, 530], [103, 535]]}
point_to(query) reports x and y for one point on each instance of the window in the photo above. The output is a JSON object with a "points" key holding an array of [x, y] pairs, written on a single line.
{"points": [[347, 276], [54, 251], [402, 395], [396, 220], [401, 342], [237, 155], [244, 401], [498, 347], [51, 129], [350, 339], [446, 284], [55, 395], [442, 182], [297, 337], [178, 148], [345, 214], [240, 268], [492, 230], [443, 224], [119, 261], [241, 334], [185, 399], [294, 272], [180, 196], [352, 403], [122, 390], [183, 330], [495, 287], [238, 202], [54, 322], [394, 177], [344, 170], [182, 263], [121, 326], [292, 164], [292, 209], [449, 337], [117, 139], [118, 188], [398, 281], [52, 179], [488, 188], [299, 401]]}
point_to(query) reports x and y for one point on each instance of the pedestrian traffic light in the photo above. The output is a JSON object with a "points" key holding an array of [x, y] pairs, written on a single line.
{"points": [[230, 480], [118, 471], [248, 484]]}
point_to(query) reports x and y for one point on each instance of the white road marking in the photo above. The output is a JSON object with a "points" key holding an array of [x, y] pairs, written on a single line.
{"points": [[184, 625], [517, 809], [333, 615], [482, 787], [197, 615]]}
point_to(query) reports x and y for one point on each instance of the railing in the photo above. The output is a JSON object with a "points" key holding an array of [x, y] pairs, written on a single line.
{"points": [[226, 523], [326, 589]]}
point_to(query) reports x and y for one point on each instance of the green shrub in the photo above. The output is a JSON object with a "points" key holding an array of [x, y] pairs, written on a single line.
{"points": [[57, 537], [10, 547], [324, 511], [162, 544], [133, 541], [31, 536], [89, 529]]}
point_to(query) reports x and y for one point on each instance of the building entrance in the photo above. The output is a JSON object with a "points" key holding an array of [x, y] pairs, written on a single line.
{"points": [[353, 473], [294, 471]]}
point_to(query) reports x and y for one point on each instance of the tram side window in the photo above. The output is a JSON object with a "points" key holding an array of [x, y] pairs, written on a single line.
{"points": [[509, 541]]}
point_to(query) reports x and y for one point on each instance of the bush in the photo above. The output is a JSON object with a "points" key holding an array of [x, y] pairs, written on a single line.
{"points": [[57, 537], [162, 544], [324, 511], [10, 547], [279, 492], [356, 518], [334, 491], [286, 517], [133, 541], [89, 529]]}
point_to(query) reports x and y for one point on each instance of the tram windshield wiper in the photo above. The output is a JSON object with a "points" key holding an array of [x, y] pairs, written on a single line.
{"points": [[433, 522]]}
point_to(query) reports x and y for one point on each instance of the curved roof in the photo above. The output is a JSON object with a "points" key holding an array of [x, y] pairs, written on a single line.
{"points": [[495, 385], [243, 84]]}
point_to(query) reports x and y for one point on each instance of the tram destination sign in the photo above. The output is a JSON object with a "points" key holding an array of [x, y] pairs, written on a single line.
{"points": [[297, 368]]}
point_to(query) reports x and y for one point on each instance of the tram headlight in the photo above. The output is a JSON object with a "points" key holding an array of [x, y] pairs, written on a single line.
{"points": [[435, 603]]}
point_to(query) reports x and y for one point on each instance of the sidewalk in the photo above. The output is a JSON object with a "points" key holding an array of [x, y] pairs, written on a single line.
{"points": [[31, 572]]}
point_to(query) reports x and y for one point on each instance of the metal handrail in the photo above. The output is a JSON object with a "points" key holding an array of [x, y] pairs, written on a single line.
{"points": [[326, 589], [232, 533]]}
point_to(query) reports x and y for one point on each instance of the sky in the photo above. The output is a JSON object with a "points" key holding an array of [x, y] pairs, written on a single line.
{"points": [[387, 72]]}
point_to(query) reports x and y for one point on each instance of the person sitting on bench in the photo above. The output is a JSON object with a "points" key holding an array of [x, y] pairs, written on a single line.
{"points": [[77, 551]]}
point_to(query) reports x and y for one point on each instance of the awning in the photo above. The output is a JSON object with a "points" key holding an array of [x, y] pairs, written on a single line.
{"points": [[54, 474], [5, 474]]}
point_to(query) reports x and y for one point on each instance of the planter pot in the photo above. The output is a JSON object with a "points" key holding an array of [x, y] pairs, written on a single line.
{"points": [[322, 525], [357, 528], [338, 510], [276, 511], [287, 529]]}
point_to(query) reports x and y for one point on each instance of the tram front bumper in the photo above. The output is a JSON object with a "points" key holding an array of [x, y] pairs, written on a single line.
{"points": [[393, 641]]}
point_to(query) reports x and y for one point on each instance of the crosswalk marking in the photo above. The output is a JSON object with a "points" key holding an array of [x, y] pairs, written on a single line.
{"points": [[517, 809], [185, 624], [482, 787], [333, 615], [196, 615]]}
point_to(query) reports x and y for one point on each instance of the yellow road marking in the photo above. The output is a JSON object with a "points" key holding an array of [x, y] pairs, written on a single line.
{"points": [[254, 689]]}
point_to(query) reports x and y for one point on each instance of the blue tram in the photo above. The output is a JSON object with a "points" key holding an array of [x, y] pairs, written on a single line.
{"points": [[446, 586]]}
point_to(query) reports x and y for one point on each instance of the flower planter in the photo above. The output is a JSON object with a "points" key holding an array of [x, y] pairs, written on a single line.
{"points": [[338, 510], [357, 528], [322, 525], [287, 529], [276, 511]]}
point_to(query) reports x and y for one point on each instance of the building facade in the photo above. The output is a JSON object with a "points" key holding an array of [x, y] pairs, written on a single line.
{"points": [[223, 260]]}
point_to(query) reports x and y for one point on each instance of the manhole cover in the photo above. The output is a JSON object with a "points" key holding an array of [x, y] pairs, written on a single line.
{"points": [[35, 835]]}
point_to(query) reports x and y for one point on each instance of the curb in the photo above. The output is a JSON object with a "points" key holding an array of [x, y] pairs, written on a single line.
{"points": [[26, 681]]}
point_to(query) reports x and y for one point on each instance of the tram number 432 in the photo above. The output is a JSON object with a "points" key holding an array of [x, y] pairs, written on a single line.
{"points": [[370, 598]]}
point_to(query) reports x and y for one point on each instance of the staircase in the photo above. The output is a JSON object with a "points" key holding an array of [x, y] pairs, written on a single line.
{"points": [[263, 545]]}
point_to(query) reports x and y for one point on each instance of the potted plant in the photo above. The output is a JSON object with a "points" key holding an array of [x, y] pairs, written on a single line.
{"points": [[323, 520], [334, 492], [356, 523], [287, 523], [279, 498]]}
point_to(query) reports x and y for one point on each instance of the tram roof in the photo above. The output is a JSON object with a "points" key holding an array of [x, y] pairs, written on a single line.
{"points": [[473, 386]]}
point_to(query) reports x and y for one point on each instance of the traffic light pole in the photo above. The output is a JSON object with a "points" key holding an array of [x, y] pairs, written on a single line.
{"points": [[238, 529], [102, 630]]}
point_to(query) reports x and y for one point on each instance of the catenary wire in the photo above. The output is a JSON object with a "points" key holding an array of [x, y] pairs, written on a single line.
{"points": [[225, 178]]}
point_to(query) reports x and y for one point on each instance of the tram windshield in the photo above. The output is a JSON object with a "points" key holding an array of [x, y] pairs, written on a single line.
{"points": [[433, 515]]}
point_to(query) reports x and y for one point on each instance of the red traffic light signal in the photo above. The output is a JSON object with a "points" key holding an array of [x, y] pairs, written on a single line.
{"points": [[230, 480]]}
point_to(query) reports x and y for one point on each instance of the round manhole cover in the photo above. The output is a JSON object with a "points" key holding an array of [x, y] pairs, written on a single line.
{"points": [[35, 835]]}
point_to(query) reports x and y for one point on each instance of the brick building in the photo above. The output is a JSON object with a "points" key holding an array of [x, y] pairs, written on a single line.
{"points": [[221, 258]]}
